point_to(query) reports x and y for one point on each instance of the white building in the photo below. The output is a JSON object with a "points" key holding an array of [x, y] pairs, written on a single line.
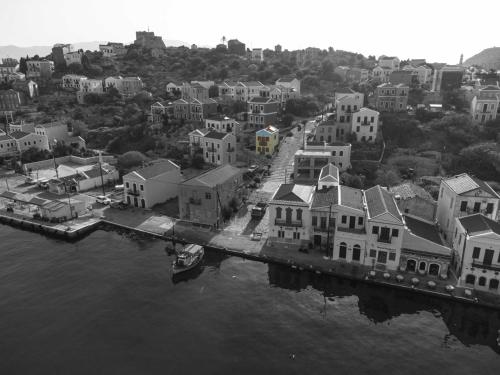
{"points": [[72, 81], [25, 141], [219, 148], [289, 83], [289, 214], [463, 195], [365, 125], [223, 124], [88, 86], [152, 184], [73, 57], [484, 105], [476, 245], [257, 54]]}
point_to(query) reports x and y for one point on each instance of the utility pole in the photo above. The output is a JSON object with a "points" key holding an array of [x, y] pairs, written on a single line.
{"points": [[55, 164], [328, 232], [102, 179]]}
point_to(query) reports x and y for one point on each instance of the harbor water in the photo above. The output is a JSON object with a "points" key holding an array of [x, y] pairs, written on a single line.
{"points": [[107, 304]]}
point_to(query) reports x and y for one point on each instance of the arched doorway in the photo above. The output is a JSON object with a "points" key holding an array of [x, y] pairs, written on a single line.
{"points": [[422, 266], [434, 269], [356, 253], [128, 199], [470, 279], [343, 250], [411, 265], [482, 281]]}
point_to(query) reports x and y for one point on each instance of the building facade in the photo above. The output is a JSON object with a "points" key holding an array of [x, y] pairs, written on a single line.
{"points": [[391, 98], [267, 140], [365, 125], [262, 112]]}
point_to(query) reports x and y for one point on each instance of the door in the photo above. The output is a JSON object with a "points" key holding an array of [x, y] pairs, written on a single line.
{"points": [[488, 257], [382, 257], [135, 202], [384, 234], [143, 203], [352, 222], [128, 199], [288, 215], [317, 240]]}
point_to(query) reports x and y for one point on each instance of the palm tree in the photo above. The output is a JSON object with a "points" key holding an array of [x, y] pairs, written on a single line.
{"points": [[223, 40]]}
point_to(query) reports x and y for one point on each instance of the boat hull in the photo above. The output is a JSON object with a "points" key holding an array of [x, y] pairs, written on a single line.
{"points": [[176, 269]]}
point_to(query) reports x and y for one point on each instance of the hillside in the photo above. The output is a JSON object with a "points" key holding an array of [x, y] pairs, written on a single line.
{"points": [[488, 59]]}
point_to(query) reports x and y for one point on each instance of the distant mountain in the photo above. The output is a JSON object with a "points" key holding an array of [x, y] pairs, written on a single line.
{"points": [[18, 52], [488, 59]]}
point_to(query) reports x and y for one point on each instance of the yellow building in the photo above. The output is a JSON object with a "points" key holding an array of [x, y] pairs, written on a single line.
{"points": [[267, 140]]}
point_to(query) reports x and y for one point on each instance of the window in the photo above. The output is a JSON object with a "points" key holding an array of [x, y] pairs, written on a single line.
{"points": [[477, 206], [476, 252], [127, 185], [323, 222], [371, 129], [142, 187], [470, 279], [482, 281], [299, 214], [341, 153], [344, 219], [356, 252], [360, 220], [281, 234], [422, 266], [493, 284], [375, 229], [372, 119], [296, 235], [278, 212], [343, 250], [373, 253], [451, 203], [489, 208], [359, 120], [392, 256], [314, 221], [463, 206], [395, 233], [208, 196], [358, 129], [382, 257], [334, 153]]}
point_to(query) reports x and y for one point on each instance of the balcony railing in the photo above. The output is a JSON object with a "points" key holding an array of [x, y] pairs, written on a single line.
{"points": [[492, 267], [133, 192], [384, 239], [352, 230], [288, 223]]}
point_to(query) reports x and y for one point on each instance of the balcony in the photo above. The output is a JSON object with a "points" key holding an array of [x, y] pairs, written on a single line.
{"points": [[324, 229], [133, 192], [288, 223], [360, 231], [491, 267], [384, 239]]}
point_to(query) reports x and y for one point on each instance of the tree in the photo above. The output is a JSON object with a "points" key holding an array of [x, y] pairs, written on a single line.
{"points": [[75, 68], [23, 66], [131, 159], [287, 120], [213, 91], [80, 128], [387, 178]]}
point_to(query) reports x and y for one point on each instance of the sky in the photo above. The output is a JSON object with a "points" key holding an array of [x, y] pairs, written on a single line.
{"points": [[437, 30]]}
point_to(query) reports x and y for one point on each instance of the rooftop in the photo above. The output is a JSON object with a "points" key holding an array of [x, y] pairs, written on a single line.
{"points": [[216, 135], [380, 201], [215, 176], [409, 190], [423, 229], [157, 168], [294, 193], [18, 134], [351, 197], [463, 183], [479, 224], [325, 197], [329, 170]]}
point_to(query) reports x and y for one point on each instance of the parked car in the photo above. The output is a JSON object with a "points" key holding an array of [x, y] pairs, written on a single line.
{"points": [[102, 199]]}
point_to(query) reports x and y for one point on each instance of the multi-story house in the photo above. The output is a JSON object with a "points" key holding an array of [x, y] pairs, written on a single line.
{"points": [[74, 57], [290, 214], [223, 124], [415, 201], [267, 140], [159, 110], [152, 184], [54, 131], [194, 109], [389, 62], [203, 198], [282, 94], [196, 139], [447, 78], [391, 98], [58, 52], [357, 75], [309, 160], [219, 148], [194, 90], [72, 81], [8, 146], [236, 47], [347, 101], [385, 227], [476, 244], [262, 112], [463, 195], [365, 125], [291, 83], [257, 55], [89, 86], [112, 49], [39, 69], [245, 91], [422, 73], [7, 68], [484, 106], [174, 88], [10, 100], [127, 87], [382, 74], [25, 141]]}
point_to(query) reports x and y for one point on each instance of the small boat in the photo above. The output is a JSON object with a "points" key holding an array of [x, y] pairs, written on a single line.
{"points": [[188, 258]]}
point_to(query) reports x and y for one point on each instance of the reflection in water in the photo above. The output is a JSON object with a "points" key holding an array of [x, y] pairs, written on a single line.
{"points": [[470, 324]]}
